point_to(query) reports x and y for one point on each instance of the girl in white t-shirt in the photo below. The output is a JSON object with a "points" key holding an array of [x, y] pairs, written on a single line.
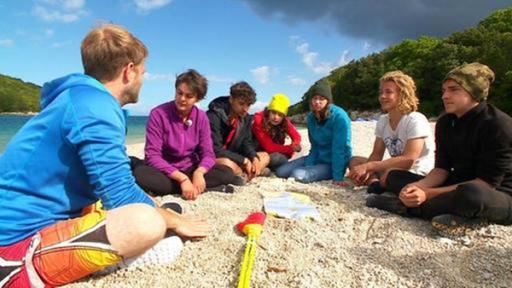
{"points": [[405, 133]]}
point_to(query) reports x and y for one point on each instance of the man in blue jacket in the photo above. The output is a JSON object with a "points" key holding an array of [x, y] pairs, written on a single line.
{"points": [[66, 159]]}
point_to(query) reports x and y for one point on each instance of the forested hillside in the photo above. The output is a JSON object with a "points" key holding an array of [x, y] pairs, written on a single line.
{"points": [[17, 95], [427, 59]]}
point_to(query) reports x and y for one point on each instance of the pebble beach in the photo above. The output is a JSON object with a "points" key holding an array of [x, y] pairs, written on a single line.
{"points": [[350, 246]]}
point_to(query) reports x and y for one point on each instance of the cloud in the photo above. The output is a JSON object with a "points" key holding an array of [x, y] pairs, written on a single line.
{"points": [[310, 58], [366, 45], [159, 77], [345, 58], [296, 81], [384, 22], [73, 4], [323, 68], [261, 74], [144, 6], [258, 106], [65, 11], [49, 32], [66, 4], [7, 42]]}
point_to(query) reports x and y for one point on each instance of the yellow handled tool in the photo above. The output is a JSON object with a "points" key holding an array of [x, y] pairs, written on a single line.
{"points": [[252, 227]]}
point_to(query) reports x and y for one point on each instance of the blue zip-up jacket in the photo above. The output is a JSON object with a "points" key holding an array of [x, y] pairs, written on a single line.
{"points": [[67, 157], [330, 141]]}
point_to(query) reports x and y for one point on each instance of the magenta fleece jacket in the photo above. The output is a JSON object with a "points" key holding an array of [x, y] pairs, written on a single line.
{"points": [[173, 145]]}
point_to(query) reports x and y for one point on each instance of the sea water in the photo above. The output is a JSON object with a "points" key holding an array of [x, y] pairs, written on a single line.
{"points": [[10, 124]]}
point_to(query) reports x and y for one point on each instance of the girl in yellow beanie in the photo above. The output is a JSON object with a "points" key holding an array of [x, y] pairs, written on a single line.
{"points": [[271, 127]]}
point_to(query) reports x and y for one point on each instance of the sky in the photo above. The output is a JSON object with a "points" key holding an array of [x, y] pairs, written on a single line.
{"points": [[277, 46]]}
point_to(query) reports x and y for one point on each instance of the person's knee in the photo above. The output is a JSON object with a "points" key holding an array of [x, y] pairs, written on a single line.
{"points": [[471, 195], [356, 160], [277, 159], [283, 171], [134, 228], [148, 223], [395, 180], [384, 176], [229, 163]]}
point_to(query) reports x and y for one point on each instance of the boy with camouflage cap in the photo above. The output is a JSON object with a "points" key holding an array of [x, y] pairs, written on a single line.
{"points": [[472, 179]]}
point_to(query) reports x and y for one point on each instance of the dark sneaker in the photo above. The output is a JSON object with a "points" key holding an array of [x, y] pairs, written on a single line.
{"points": [[222, 188], [390, 204], [239, 180], [455, 226], [173, 206], [375, 188]]}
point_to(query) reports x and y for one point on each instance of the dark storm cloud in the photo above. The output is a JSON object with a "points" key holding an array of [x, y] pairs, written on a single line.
{"points": [[382, 21]]}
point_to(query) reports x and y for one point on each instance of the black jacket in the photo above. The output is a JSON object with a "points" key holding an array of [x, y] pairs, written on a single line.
{"points": [[476, 145], [241, 145]]}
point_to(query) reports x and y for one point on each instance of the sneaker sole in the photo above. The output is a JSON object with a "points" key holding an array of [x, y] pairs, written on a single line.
{"points": [[173, 206], [165, 252], [450, 231]]}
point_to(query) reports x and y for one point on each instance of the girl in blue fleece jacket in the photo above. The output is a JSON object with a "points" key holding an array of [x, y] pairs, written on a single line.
{"points": [[329, 134]]}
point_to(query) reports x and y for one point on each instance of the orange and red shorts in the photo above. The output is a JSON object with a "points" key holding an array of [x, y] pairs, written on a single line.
{"points": [[59, 254]]}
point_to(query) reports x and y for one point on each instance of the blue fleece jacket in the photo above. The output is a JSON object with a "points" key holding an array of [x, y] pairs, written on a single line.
{"points": [[70, 155], [330, 141]]}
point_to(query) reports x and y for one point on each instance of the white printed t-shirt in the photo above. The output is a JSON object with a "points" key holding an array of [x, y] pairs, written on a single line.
{"points": [[411, 126]]}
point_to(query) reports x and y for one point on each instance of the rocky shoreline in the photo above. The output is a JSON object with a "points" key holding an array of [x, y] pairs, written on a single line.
{"points": [[28, 113]]}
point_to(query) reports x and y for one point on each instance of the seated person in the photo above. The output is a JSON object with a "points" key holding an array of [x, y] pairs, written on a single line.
{"points": [[271, 127], [405, 133], [67, 158], [329, 133], [231, 133], [472, 179], [179, 152]]}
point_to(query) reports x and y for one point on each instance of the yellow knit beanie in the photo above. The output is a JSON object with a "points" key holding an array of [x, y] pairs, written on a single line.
{"points": [[279, 103]]}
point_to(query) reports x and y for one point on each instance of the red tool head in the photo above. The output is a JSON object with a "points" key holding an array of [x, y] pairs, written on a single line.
{"points": [[254, 218]]}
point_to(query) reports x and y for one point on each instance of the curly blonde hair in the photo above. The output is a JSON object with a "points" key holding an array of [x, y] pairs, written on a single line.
{"points": [[408, 101]]}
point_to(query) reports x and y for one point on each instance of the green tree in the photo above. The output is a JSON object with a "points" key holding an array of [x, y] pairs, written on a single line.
{"points": [[427, 59], [18, 96]]}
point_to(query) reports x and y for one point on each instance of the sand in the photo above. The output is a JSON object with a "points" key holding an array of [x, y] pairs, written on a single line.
{"points": [[352, 245]]}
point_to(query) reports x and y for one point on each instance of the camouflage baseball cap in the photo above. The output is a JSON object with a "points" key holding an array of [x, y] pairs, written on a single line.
{"points": [[475, 78]]}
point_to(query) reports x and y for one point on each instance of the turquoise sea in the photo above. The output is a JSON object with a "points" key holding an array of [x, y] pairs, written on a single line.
{"points": [[10, 124]]}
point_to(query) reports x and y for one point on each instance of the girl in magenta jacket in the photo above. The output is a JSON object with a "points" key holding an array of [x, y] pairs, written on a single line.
{"points": [[179, 153]]}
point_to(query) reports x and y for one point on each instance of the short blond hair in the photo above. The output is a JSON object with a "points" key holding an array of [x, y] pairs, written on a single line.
{"points": [[408, 101], [107, 49]]}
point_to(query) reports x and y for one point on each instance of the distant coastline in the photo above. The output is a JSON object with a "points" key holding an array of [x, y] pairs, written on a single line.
{"points": [[12, 122], [29, 113]]}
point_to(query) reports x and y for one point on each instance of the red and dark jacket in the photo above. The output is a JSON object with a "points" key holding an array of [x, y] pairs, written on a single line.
{"points": [[230, 141], [266, 141]]}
